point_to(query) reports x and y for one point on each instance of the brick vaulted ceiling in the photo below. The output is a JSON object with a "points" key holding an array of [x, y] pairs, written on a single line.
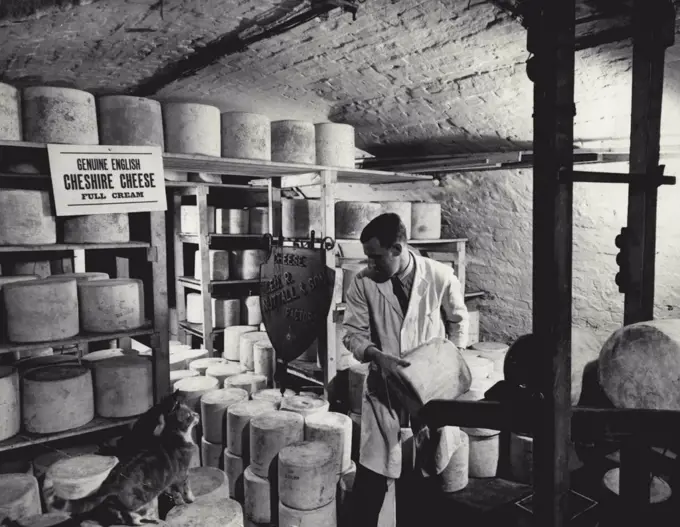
{"points": [[427, 74]]}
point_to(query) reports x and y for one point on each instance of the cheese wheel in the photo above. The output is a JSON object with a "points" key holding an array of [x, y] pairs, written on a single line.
{"points": [[182, 374], [402, 209], [357, 378], [250, 382], [127, 120], [96, 356], [232, 221], [50, 519], [200, 365], [258, 220], [202, 177], [484, 453], [659, 490], [245, 264], [264, 359], [26, 218], [19, 496], [205, 512], [42, 268], [59, 115], [214, 406], [269, 433], [224, 370], [57, 398], [257, 491], [307, 475], [455, 476], [193, 388], [252, 314], [271, 394], [352, 216], [349, 271], [97, 228], [195, 354], [293, 142], [174, 175], [194, 308], [211, 454], [192, 128], [10, 113], [25, 365], [325, 516], [177, 361], [189, 219], [108, 306], [335, 144], [123, 386], [239, 416], [521, 458], [80, 277], [232, 341], [43, 462], [301, 216], [10, 402], [304, 405], [493, 351], [219, 265], [246, 347], [335, 430], [78, 477], [208, 481], [246, 136], [480, 368], [426, 221], [234, 467]]}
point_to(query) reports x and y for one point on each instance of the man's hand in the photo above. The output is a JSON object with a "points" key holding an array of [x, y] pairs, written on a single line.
{"points": [[387, 363]]}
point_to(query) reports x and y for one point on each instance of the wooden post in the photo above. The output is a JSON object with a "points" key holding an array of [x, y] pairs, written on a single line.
{"points": [[553, 29], [460, 263], [159, 273], [178, 245], [204, 271], [327, 344]]}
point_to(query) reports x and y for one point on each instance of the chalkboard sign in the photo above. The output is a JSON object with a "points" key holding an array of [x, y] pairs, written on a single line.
{"points": [[296, 288]]}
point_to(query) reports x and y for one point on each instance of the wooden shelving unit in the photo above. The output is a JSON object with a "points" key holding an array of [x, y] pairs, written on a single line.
{"points": [[145, 258]]}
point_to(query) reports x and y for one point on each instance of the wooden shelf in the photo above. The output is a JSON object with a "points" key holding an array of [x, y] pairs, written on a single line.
{"points": [[83, 338], [197, 329], [191, 283], [24, 439], [197, 184], [193, 238], [436, 241], [72, 247]]}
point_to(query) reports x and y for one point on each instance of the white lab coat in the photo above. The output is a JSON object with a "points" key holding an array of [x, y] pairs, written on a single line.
{"points": [[373, 317]]}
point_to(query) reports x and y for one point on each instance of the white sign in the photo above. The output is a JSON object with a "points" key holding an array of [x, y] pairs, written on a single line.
{"points": [[93, 179]]}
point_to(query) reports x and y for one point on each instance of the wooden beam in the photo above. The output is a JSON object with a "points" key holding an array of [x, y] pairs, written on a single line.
{"points": [[327, 344]]}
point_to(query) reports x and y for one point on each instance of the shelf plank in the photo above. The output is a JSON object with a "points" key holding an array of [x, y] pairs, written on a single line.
{"points": [[24, 439], [7, 347], [72, 247], [191, 283], [193, 238], [198, 184], [414, 242], [197, 330]]}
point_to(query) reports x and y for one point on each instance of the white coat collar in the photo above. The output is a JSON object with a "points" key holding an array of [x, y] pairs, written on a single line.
{"points": [[419, 286]]}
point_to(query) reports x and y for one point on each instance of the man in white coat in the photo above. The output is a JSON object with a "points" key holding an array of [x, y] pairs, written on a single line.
{"points": [[400, 301]]}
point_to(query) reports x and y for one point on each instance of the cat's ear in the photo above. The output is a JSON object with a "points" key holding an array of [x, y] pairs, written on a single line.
{"points": [[160, 426]]}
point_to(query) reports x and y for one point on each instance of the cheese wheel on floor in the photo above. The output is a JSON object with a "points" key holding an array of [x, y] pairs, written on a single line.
{"points": [[400, 208], [352, 216], [193, 388], [246, 136], [57, 398], [224, 370], [19, 496], [219, 265], [301, 216], [246, 347], [426, 221], [226, 312], [335, 144], [304, 405], [208, 481], [480, 368], [293, 141], [192, 128], [493, 351], [232, 221], [232, 341], [77, 477], [123, 386], [271, 394], [97, 228], [206, 512], [239, 416], [325, 516], [43, 462], [10, 113], [269, 433], [484, 454], [307, 475], [357, 378], [59, 115], [10, 402], [128, 120], [335, 430], [257, 491], [245, 264], [264, 359], [455, 476], [211, 454], [26, 218], [250, 382], [214, 406], [108, 306], [201, 365], [252, 314], [181, 374], [234, 467]]}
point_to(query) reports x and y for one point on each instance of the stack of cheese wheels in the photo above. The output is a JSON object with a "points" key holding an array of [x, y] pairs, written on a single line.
{"points": [[250, 382], [307, 485], [258, 220], [493, 351], [352, 216], [304, 405], [226, 312], [273, 395], [246, 136], [223, 371], [10, 402], [19, 496], [192, 128], [269, 433], [97, 228], [246, 347], [245, 264], [349, 271], [237, 453], [57, 398], [232, 221], [26, 218], [3, 281], [426, 221], [334, 145], [214, 406], [194, 308], [232, 341], [59, 115], [251, 312], [10, 113], [335, 430], [455, 475], [189, 219], [301, 216], [218, 263], [201, 365], [293, 142], [123, 386], [403, 209], [107, 306], [209, 482], [264, 359], [127, 120], [193, 388], [41, 310]]}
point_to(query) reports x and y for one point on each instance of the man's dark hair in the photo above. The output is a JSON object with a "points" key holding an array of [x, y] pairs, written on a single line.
{"points": [[387, 228]]}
